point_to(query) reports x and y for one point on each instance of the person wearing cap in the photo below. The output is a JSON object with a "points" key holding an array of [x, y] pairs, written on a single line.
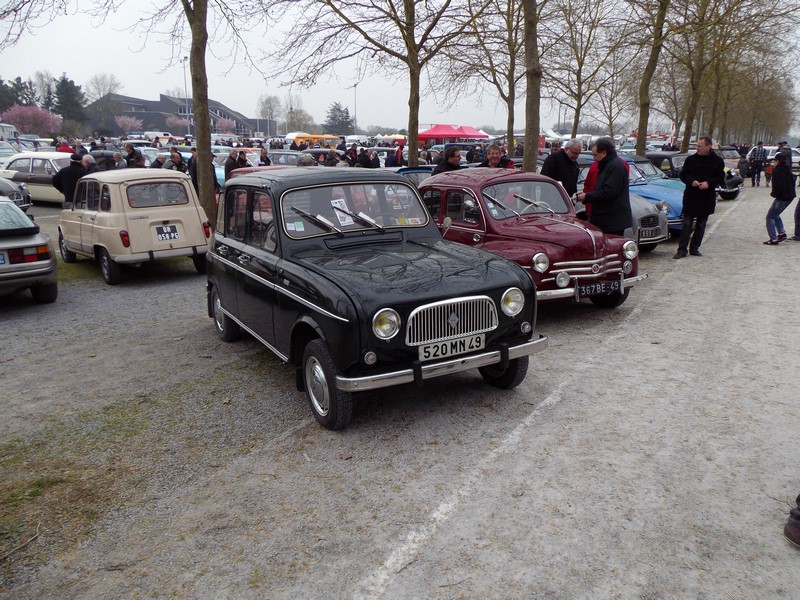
{"points": [[783, 192], [67, 178]]}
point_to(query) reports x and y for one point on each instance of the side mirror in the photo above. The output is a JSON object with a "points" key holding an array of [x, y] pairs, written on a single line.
{"points": [[446, 225]]}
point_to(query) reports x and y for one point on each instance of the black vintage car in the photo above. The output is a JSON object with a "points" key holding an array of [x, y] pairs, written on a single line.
{"points": [[343, 274]]}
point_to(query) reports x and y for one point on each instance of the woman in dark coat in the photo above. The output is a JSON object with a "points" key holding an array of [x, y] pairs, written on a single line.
{"points": [[783, 191]]}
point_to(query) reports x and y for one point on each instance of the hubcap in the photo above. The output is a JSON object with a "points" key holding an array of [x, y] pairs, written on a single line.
{"points": [[317, 386]]}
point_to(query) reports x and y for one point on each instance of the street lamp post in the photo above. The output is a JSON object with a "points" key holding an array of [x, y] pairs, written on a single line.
{"points": [[186, 96], [355, 107]]}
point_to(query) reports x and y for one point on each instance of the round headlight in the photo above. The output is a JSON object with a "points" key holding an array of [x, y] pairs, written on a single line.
{"points": [[630, 250], [386, 324], [663, 207], [512, 301], [562, 279], [540, 262]]}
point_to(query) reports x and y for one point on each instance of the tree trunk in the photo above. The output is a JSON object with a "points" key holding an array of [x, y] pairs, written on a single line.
{"points": [[533, 84], [196, 17], [413, 112], [647, 76]]}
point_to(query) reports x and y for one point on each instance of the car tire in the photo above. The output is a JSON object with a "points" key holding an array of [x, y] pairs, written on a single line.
{"points": [[610, 300], [645, 248], [227, 329], [108, 268], [45, 294], [507, 378], [66, 255], [729, 195], [332, 407], [200, 263]]}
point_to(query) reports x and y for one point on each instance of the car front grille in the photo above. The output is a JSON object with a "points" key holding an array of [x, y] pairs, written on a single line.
{"points": [[587, 270], [648, 221], [450, 319]]}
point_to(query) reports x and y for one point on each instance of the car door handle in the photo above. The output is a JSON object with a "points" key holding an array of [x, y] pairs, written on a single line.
{"points": [[476, 237], [222, 251], [244, 259]]}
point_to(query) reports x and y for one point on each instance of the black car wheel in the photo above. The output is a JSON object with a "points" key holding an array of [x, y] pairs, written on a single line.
{"points": [[227, 329], [66, 255], [332, 407], [44, 294], [508, 378], [729, 195], [200, 264], [610, 300], [108, 268]]}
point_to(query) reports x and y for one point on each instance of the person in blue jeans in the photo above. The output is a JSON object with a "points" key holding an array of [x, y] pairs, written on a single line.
{"points": [[783, 191]]}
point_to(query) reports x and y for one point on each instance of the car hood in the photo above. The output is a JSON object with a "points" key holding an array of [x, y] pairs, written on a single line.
{"points": [[413, 271], [657, 193], [577, 237]]}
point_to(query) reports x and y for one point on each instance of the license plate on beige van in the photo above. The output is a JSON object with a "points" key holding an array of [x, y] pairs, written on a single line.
{"points": [[165, 233]]}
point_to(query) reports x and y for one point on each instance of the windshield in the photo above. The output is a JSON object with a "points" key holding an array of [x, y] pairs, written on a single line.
{"points": [[677, 161], [730, 154], [650, 170], [523, 197], [346, 207]]}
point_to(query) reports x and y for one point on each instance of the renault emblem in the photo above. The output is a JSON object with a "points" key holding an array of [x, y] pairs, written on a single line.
{"points": [[453, 320]]}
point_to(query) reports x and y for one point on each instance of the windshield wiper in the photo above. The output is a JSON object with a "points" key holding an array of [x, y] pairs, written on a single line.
{"points": [[319, 220], [361, 218], [535, 203], [501, 205]]}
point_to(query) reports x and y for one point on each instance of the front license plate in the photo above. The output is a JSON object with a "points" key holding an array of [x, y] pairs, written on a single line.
{"points": [[596, 289], [470, 343], [166, 232], [650, 233]]}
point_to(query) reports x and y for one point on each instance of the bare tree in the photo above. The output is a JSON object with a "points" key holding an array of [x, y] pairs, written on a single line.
{"points": [[591, 32], [391, 35], [268, 107], [101, 85], [533, 81]]}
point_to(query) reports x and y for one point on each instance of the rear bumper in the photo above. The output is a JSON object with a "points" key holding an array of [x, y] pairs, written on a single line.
{"points": [[421, 371], [152, 255], [23, 278]]}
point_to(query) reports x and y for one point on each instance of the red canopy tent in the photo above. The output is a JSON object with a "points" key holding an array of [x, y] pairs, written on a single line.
{"points": [[439, 131], [466, 131]]}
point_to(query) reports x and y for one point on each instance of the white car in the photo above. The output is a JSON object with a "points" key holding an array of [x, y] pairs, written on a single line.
{"points": [[36, 170]]}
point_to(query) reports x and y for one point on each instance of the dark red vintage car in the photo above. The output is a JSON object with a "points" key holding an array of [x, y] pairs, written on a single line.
{"points": [[529, 219]]}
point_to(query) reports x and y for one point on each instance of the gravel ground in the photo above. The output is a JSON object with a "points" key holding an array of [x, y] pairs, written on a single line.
{"points": [[648, 454]]}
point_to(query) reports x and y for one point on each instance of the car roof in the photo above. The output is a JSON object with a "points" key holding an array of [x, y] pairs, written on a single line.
{"points": [[482, 176], [31, 154], [281, 179], [132, 175]]}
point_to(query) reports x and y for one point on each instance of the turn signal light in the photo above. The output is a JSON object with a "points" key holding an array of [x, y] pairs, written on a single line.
{"points": [[207, 229], [28, 255], [125, 238]]}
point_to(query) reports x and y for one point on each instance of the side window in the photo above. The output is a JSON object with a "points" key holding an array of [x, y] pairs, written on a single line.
{"points": [[80, 195], [92, 195], [23, 165], [105, 199], [463, 208], [262, 227], [236, 213], [41, 166], [433, 202]]}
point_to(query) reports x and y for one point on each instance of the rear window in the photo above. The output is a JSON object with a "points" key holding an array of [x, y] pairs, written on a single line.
{"points": [[148, 195]]}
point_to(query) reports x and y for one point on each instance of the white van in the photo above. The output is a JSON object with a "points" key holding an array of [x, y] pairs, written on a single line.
{"points": [[9, 132], [161, 135]]}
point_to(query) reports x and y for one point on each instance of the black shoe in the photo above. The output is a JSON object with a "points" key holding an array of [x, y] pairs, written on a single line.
{"points": [[781, 237], [680, 254], [791, 531], [695, 252], [771, 243]]}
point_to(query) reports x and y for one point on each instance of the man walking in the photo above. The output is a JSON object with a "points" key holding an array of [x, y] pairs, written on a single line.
{"points": [[702, 173], [758, 158], [563, 166]]}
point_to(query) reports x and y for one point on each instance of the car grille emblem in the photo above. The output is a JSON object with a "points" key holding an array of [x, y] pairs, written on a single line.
{"points": [[453, 320], [595, 268]]}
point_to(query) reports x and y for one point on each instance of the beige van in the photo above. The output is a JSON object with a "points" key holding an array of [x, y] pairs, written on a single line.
{"points": [[131, 216]]}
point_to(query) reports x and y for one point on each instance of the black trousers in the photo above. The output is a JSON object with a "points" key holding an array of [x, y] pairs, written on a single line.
{"points": [[694, 228]]}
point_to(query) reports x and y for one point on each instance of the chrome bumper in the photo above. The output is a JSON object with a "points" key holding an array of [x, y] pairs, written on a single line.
{"points": [[572, 292], [422, 371], [160, 254]]}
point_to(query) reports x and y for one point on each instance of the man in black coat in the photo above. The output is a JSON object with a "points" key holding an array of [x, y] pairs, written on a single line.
{"points": [[451, 161], [563, 166], [702, 173], [66, 180], [611, 203]]}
